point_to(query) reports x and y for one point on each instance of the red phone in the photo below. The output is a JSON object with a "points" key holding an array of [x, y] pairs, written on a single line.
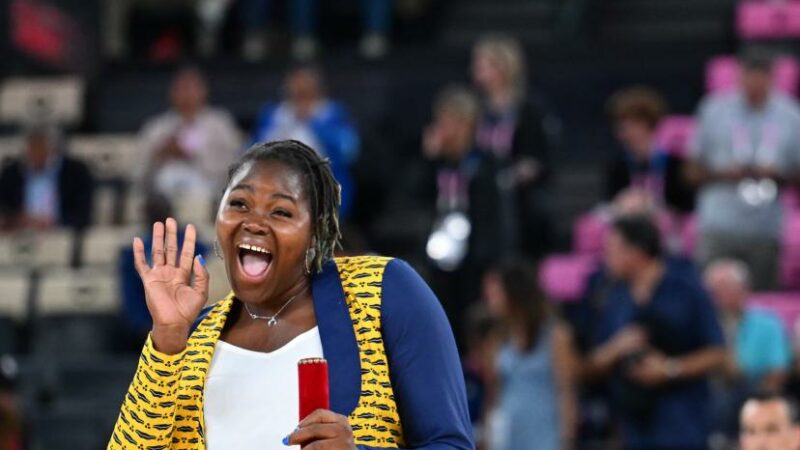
{"points": [[313, 382]]}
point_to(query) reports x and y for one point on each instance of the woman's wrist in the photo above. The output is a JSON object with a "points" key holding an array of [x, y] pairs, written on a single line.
{"points": [[169, 340]]}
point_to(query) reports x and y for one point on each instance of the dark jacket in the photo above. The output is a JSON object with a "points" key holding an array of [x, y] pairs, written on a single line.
{"points": [[531, 139], [679, 195], [75, 190], [421, 193], [526, 205]]}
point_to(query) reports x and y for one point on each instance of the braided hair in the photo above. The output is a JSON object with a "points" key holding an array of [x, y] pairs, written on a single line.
{"points": [[322, 189]]}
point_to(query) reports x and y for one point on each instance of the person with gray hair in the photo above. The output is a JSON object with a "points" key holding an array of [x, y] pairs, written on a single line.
{"points": [[746, 149], [758, 350]]}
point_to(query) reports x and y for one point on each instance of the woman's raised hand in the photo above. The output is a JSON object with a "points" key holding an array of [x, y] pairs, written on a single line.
{"points": [[173, 301]]}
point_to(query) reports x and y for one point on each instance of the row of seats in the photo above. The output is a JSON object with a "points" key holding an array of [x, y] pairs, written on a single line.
{"points": [[70, 313], [93, 290], [60, 98], [110, 156], [60, 291], [759, 19], [722, 74], [95, 246], [196, 209], [74, 403]]}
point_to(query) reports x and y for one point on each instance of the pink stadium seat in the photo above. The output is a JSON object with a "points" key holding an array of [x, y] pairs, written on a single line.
{"points": [[786, 305], [563, 277], [722, 74], [791, 228], [761, 20], [674, 134], [787, 72], [589, 232], [792, 19], [789, 263], [790, 198], [789, 268]]}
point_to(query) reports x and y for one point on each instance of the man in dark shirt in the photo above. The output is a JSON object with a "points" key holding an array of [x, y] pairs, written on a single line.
{"points": [[45, 188], [654, 341]]}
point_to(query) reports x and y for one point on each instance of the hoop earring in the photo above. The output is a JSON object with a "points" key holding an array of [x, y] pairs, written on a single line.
{"points": [[216, 250], [310, 254]]}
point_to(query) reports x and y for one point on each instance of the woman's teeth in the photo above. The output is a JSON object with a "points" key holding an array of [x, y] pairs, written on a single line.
{"points": [[254, 248]]}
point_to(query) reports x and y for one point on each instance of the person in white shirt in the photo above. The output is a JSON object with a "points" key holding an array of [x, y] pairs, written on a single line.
{"points": [[188, 149]]}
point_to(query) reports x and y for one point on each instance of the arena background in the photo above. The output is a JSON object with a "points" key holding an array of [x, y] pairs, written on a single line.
{"points": [[67, 356]]}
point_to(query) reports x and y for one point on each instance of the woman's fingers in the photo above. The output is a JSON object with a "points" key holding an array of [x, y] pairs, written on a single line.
{"points": [[201, 278], [187, 252], [320, 425], [172, 241], [139, 259], [157, 250], [320, 432], [322, 416]]}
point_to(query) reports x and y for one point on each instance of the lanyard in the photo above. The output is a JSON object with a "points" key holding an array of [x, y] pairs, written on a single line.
{"points": [[496, 133], [747, 152], [452, 183], [651, 178]]}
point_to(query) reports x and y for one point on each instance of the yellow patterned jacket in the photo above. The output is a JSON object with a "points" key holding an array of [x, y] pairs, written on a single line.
{"points": [[393, 366]]}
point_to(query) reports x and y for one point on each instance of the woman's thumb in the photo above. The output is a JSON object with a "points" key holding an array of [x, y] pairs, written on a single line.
{"points": [[200, 276]]}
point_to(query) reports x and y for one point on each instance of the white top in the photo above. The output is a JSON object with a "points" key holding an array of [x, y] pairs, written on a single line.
{"points": [[251, 398]]}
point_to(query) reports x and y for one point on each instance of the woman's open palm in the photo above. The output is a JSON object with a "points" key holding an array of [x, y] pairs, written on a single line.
{"points": [[174, 302]]}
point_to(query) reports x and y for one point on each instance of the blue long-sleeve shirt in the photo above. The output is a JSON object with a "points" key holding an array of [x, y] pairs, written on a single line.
{"points": [[329, 130]]}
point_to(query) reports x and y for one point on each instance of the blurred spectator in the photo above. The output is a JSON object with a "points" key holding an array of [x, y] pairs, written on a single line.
{"points": [[536, 405], [654, 341], [309, 116], [769, 421], [456, 187], [189, 147], [135, 315], [759, 350], [478, 361], [45, 187], [747, 148], [636, 113], [11, 435], [377, 15], [513, 129]]}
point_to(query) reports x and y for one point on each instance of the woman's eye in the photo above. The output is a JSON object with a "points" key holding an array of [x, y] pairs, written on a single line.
{"points": [[282, 213], [237, 204]]}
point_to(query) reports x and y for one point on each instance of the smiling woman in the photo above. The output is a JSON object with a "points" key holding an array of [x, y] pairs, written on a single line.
{"points": [[225, 377]]}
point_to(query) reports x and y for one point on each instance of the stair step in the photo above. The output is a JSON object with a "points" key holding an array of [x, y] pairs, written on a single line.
{"points": [[694, 30]]}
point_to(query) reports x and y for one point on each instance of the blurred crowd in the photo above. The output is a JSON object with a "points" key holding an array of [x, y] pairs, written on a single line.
{"points": [[664, 347]]}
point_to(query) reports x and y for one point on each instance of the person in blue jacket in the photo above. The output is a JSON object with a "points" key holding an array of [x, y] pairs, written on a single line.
{"points": [[309, 116]]}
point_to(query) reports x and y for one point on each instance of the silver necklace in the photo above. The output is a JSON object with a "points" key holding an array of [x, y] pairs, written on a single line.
{"points": [[273, 319]]}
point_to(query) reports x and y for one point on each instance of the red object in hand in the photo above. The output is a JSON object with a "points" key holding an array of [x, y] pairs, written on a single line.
{"points": [[314, 392]]}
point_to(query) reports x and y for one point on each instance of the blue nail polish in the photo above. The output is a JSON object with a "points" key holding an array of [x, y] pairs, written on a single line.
{"points": [[286, 440], [202, 260]]}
